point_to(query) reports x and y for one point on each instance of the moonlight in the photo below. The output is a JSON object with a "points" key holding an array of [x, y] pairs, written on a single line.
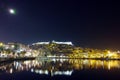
{"points": [[11, 11]]}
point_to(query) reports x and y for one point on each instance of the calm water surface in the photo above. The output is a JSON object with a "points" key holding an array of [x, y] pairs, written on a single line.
{"points": [[61, 69]]}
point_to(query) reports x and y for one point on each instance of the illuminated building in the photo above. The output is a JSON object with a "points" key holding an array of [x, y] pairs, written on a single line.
{"points": [[44, 43], [40, 43], [64, 43]]}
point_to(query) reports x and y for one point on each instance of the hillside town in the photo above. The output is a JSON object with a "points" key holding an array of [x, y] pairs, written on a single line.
{"points": [[54, 49]]}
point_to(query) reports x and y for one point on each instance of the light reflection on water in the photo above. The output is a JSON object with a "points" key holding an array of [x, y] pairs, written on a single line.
{"points": [[58, 66]]}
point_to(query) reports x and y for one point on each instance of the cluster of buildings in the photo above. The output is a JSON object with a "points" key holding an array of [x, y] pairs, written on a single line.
{"points": [[22, 50], [14, 50], [53, 49]]}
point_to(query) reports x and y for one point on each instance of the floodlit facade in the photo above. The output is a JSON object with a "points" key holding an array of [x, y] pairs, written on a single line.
{"points": [[66, 43], [56, 42], [40, 43]]}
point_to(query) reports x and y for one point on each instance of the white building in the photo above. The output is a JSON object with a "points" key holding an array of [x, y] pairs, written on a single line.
{"points": [[40, 43], [66, 43], [56, 42]]}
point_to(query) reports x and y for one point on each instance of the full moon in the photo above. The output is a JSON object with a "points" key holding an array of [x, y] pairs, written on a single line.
{"points": [[11, 11]]}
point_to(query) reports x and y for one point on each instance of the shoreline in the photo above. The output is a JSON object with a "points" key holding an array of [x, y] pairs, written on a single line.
{"points": [[32, 58], [79, 58], [16, 59]]}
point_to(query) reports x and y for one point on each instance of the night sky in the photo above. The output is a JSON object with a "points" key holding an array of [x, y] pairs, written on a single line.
{"points": [[94, 24]]}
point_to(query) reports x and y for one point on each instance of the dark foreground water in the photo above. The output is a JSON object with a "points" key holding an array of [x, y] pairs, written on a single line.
{"points": [[61, 69]]}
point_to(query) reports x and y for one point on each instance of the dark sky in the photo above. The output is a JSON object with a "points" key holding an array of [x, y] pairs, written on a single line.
{"points": [[86, 23]]}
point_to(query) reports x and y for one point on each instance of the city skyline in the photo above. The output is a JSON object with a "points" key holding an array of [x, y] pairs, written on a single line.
{"points": [[93, 24]]}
